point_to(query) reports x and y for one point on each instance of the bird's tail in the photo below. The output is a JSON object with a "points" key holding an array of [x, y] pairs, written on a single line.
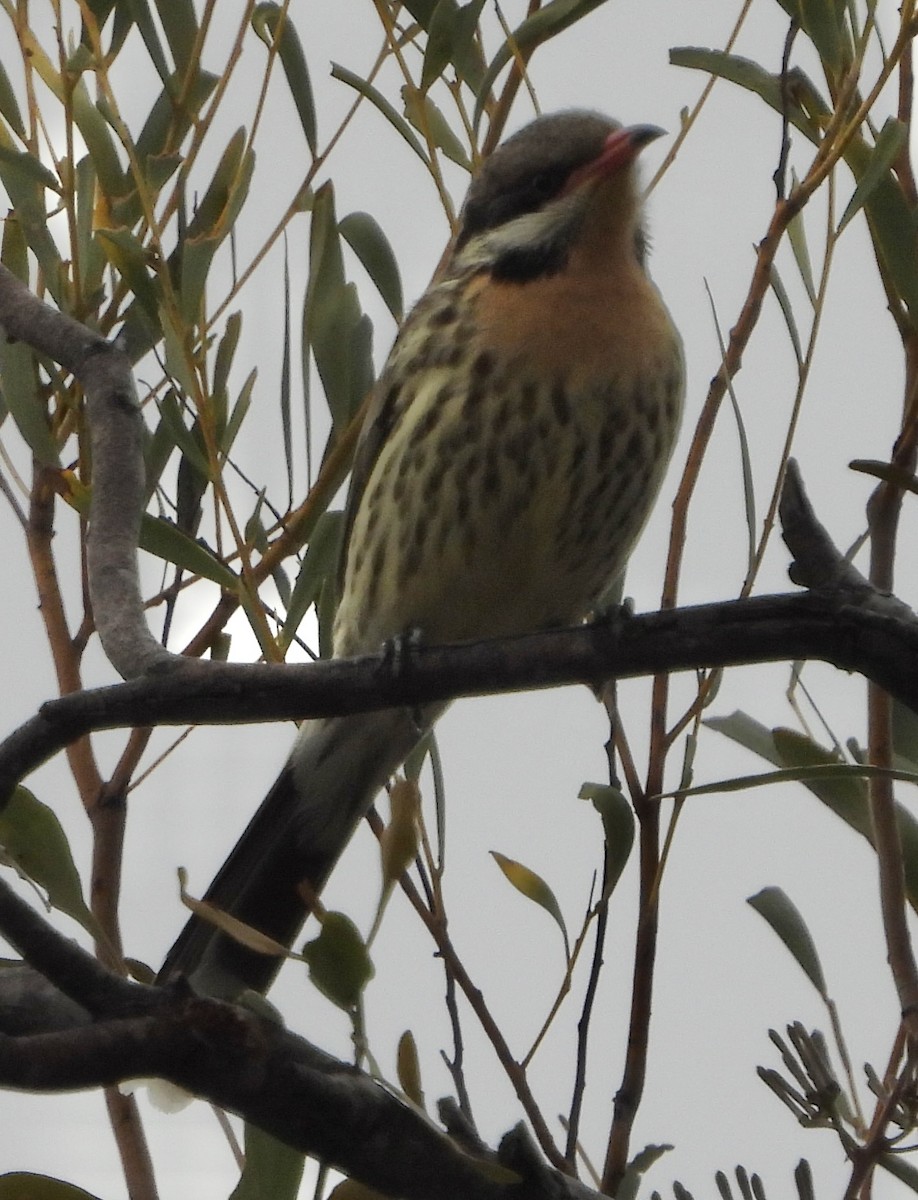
{"points": [[337, 766]]}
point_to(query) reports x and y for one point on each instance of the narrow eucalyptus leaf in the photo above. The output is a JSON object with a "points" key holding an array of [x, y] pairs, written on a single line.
{"points": [[776, 907]]}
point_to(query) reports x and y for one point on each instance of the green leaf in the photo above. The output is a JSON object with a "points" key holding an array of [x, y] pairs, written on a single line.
{"points": [[379, 102], [32, 838], [823, 23], [829, 779], [271, 1168], [749, 75], [21, 396], [141, 15], [266, 21], [787, 311], [9, 109], [160, 537], [157, 450], [180, 26], [534, 888], [898, 1167], [286, 387], [27, 196], [776, 907], [224, 361], [170, 411], [129, 258], [214, 218], [550, 20], [888, 145], [91, 258], [618, 827], [338, 962], [905, 734], [892, 224], [19, 385], [796, 233], [365, 237], [335, 326], [319, 564], [451, 39], [240, 408], [426, 117], [31, 168], [168, 120], [23, 1185], [99, 143]]}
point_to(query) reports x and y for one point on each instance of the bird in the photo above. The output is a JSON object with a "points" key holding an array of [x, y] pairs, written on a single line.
{"points": [[513, 448]]}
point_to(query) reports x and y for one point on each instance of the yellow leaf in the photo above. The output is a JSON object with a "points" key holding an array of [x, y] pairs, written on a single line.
{"points": [[534, 888], [408, 1068]]}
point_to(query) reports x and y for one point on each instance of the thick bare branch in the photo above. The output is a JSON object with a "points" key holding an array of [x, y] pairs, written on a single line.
{"points": [[244, 1064], [105, 375]]}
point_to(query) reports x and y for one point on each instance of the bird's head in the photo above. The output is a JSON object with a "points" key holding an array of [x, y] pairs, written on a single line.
{"points": [[531, 199]]}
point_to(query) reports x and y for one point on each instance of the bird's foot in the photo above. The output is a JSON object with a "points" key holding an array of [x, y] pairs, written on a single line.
{"points": [[399, 652], [613, 613]]}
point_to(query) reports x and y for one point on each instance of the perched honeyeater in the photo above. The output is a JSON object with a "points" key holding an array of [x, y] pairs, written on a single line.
{"points": [[517, 439]]}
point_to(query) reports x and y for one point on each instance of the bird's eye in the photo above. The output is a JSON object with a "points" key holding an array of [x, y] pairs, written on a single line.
{"points": [[544, 184]]}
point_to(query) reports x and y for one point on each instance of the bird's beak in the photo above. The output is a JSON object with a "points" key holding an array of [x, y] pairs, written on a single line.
{"points": [[619, 150]]}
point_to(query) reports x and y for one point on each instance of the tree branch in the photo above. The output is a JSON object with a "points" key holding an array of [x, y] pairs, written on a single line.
{"points": [[246, 1065]]}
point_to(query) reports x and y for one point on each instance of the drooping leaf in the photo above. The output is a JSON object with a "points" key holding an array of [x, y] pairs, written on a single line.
{"points": [[399, 843], [365, 237], [100, 144], [214, 219], [180, 25], [142, 17], [240, 408], [823, 21], [34, 841], [745, 73], [168, 121], [339, 333], [796, 234], [9, 108], [272, 1168], [787, 311], [534, 888], [408, 1068], [832, 781], [222, 364], [339, 964], [451, 39], [27, 196], [246, 935], [379, 102], [776, 907], [900, 1169], [428, 119], [888, 145], [23, 1185], [129, 258], [266, 21], [160, 537], [286, 383], [19, 384], [905, 734], [618, 828]]}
